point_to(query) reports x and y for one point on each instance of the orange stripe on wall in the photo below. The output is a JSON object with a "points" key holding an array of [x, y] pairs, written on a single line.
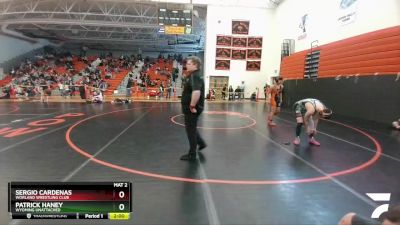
{"points": [[294, 62], [288, 68], [368, 48], [365, 54], [395, 40], [356, 64], [372, 49], [349, 56], [391, 69], [365, 37]]}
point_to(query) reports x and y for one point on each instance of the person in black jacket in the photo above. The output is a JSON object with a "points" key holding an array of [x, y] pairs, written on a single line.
{"points": [[129, 86], [224, 91], [192, 105], [231, 93]]}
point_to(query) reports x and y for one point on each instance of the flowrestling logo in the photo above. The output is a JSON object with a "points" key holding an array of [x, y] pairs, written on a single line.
{"points": [[379, 197]]}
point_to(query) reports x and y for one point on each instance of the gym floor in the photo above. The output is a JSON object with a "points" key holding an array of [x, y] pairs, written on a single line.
{"points": [[249, 173]]}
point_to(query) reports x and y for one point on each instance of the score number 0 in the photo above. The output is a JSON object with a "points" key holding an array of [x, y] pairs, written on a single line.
{"points": [[121, 194]]}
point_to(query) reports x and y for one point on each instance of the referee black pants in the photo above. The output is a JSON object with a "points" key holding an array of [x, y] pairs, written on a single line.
{"points": [[192, 132]]}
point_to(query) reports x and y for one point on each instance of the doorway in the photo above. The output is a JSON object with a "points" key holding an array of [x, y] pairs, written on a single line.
{"points": [[217, 83]]}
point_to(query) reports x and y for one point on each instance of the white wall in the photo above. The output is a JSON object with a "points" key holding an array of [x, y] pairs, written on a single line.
{"points": [[323, 17], [219, 21], [11, 47]]}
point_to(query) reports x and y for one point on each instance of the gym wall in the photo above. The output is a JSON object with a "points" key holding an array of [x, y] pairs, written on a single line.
{"points": [[357, 76], [374, 98], [370, 53], [262, 24], [329, 21]]}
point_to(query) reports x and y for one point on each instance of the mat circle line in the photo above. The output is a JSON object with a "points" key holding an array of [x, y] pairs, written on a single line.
{"points": [[240, 115], [221, 181], [16, 108]]}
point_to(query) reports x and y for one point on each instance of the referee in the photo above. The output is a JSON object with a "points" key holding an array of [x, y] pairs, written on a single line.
{"points": [[192, 105]]}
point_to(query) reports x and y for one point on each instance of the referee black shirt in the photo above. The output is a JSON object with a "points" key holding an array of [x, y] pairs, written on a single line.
{"points": [[194, 82]]}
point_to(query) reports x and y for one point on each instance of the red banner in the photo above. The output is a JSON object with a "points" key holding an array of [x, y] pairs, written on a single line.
{"points": [[224, 53], [240, 27], [254, 53], [254, 42], [239, 54], [223, 40], [253, 65], [222, 64], [239, 42]]}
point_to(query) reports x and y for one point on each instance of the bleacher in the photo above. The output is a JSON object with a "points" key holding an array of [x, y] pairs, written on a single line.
{"points": [[159, 71], [6, 80]]}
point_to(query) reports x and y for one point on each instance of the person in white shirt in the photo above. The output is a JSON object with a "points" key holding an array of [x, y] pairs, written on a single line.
{"points": [[396, 124], [97, 96], [61, 88], [242, 87]]}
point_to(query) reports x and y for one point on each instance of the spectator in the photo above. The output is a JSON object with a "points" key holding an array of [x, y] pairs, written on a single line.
{"points": [[129, 86], [211, 94], [224, 91], [97, 96], [67, 90], [231, 93], [253, 97], [242, 87], [103, 87], [5, 93], [266, 92], [396, 124], [161, 90], [238, 92], [169, 90]]}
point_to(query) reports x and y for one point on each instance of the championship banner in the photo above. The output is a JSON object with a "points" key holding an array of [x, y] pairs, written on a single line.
{"points": [[224, 53], [239, 54], [254, 53], [240, 27], [254, 42], [222, 64], [347, 11], [253, 65], [223, 40], [239, 42]]}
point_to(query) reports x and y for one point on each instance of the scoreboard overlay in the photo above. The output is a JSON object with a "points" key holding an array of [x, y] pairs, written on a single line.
{"points": [[70, 200]]}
